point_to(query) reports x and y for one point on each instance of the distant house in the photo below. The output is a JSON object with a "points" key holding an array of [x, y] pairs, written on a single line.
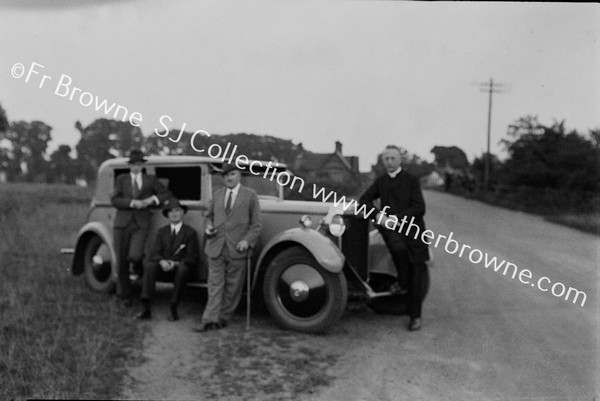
{"points": [[333, 167], [434, 179]]}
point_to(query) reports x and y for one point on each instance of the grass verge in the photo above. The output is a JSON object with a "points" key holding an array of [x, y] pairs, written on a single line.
{"points": [[58, 339], [587, 222], [551, 207]]}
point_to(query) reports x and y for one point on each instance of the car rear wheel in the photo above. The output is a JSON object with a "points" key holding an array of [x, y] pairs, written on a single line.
{"points": [[301, 295], [394, 304], [98, 263]]}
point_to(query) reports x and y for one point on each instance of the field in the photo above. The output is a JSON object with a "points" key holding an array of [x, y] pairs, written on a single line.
{"points": [[57, 338]]}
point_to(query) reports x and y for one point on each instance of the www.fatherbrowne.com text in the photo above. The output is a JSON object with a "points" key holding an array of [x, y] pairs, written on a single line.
{"points": [[451, 246]]}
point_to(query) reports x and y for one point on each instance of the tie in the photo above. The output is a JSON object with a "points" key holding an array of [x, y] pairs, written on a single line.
{"points": [[228, 205], [134, 187], [173, 235]]}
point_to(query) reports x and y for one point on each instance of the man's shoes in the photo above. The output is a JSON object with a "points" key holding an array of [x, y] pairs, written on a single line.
{"points": [[144, 315], [396, 289], [414, 324], [173, 316], [208, 327]]}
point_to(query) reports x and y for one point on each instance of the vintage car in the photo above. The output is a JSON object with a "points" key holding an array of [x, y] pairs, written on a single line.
{"points": [[304, 275]]}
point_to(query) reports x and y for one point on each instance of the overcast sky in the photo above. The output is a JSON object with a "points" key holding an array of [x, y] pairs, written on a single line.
{"points": [[366, 73]]}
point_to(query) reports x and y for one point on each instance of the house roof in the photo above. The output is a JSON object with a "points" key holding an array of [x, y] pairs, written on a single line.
{"points": [[316, 161]]}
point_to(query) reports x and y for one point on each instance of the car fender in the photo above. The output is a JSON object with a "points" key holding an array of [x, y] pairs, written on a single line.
{"points": [[326, 253], [380, 258], [89, 229]]}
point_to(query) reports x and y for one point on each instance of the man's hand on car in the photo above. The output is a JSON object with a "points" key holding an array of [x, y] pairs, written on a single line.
{"points": [[383, 218], [166, 265]]}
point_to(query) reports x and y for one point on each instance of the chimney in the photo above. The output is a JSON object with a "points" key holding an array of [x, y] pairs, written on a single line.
{"points": [[338, 147]]}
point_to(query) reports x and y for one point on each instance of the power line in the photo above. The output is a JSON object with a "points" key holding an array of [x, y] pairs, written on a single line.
{"points": [[489, 87]]}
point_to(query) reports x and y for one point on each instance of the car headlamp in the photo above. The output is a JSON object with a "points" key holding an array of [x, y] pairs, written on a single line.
{"points": [[337, 226], [305, 221]]}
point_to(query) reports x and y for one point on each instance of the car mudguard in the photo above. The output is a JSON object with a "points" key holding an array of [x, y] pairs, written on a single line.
{"points": [[380, 258], [92, 228], [326, 253]]}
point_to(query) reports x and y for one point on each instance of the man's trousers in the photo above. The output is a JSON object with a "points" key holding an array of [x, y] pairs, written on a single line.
{"points": [[225, 284], [129, 246], [411, 275], [153, 271]]}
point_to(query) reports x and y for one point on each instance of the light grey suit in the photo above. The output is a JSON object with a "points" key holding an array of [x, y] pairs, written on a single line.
{"points": [[226, 264]]}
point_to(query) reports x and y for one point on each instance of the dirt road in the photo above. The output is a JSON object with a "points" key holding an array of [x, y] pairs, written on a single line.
{"points": [[485, 337]]}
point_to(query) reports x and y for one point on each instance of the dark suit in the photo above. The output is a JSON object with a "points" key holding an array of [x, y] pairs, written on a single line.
{"points": [[404, 197], [183, 249], [131, 225], [226, 264]]}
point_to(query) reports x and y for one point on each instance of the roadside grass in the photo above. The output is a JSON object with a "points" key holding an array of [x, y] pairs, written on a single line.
{"points": [[552, 206], [58, 339], [588, 222]]}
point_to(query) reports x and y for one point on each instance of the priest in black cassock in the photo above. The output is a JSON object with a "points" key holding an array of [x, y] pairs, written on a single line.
{"points": [[400, 195]]}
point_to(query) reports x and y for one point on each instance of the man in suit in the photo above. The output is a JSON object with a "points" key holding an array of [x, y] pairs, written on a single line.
{"points": [[133, 194], [232, 226], [400, 195], [173, 254]]}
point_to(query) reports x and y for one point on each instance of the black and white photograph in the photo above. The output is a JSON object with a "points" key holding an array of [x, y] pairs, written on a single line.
{"points": [[299, 200]]}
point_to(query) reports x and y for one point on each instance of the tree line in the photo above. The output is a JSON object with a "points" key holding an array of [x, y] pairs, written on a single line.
{"points": [[547, 167], [24, 156]]}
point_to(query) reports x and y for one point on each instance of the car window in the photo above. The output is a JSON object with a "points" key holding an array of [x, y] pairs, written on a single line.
{"points": [[183, 182]]}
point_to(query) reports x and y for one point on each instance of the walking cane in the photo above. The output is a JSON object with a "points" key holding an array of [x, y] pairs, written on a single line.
{"points": [[248, 286]]}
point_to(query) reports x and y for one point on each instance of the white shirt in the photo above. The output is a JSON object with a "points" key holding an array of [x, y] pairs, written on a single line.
{"points": [[176, 227], [234, 191], [393, 174], [138, 179]]}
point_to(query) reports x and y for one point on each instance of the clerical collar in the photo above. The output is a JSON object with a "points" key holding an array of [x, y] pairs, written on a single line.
{"points": [[393, 174]]}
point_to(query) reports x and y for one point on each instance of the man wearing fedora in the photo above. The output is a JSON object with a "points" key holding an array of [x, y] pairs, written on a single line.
{"points": [[232, 226], [133, 194], [173, 253]]}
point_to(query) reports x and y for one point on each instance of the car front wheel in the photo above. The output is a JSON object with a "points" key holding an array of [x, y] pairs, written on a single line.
{"points": [[301, 295], [98, 263]]}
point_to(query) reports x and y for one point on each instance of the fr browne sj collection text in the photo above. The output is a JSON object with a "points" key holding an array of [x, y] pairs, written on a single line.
{"points": [[64, 87]]}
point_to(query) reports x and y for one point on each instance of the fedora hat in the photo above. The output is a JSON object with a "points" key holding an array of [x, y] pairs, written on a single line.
{"points": [[136, 156], [172, 204], [227, 167]]}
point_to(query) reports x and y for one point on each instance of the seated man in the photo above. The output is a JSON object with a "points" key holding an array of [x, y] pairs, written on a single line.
{"points": [[173, 253]]}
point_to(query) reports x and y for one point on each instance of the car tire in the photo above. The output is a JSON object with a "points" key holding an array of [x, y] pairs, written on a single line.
{"points": [[301, 295], [97, 264], [394, 304]]}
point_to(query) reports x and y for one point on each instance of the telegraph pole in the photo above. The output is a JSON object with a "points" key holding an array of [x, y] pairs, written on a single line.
{"points": [[490, 87]]}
